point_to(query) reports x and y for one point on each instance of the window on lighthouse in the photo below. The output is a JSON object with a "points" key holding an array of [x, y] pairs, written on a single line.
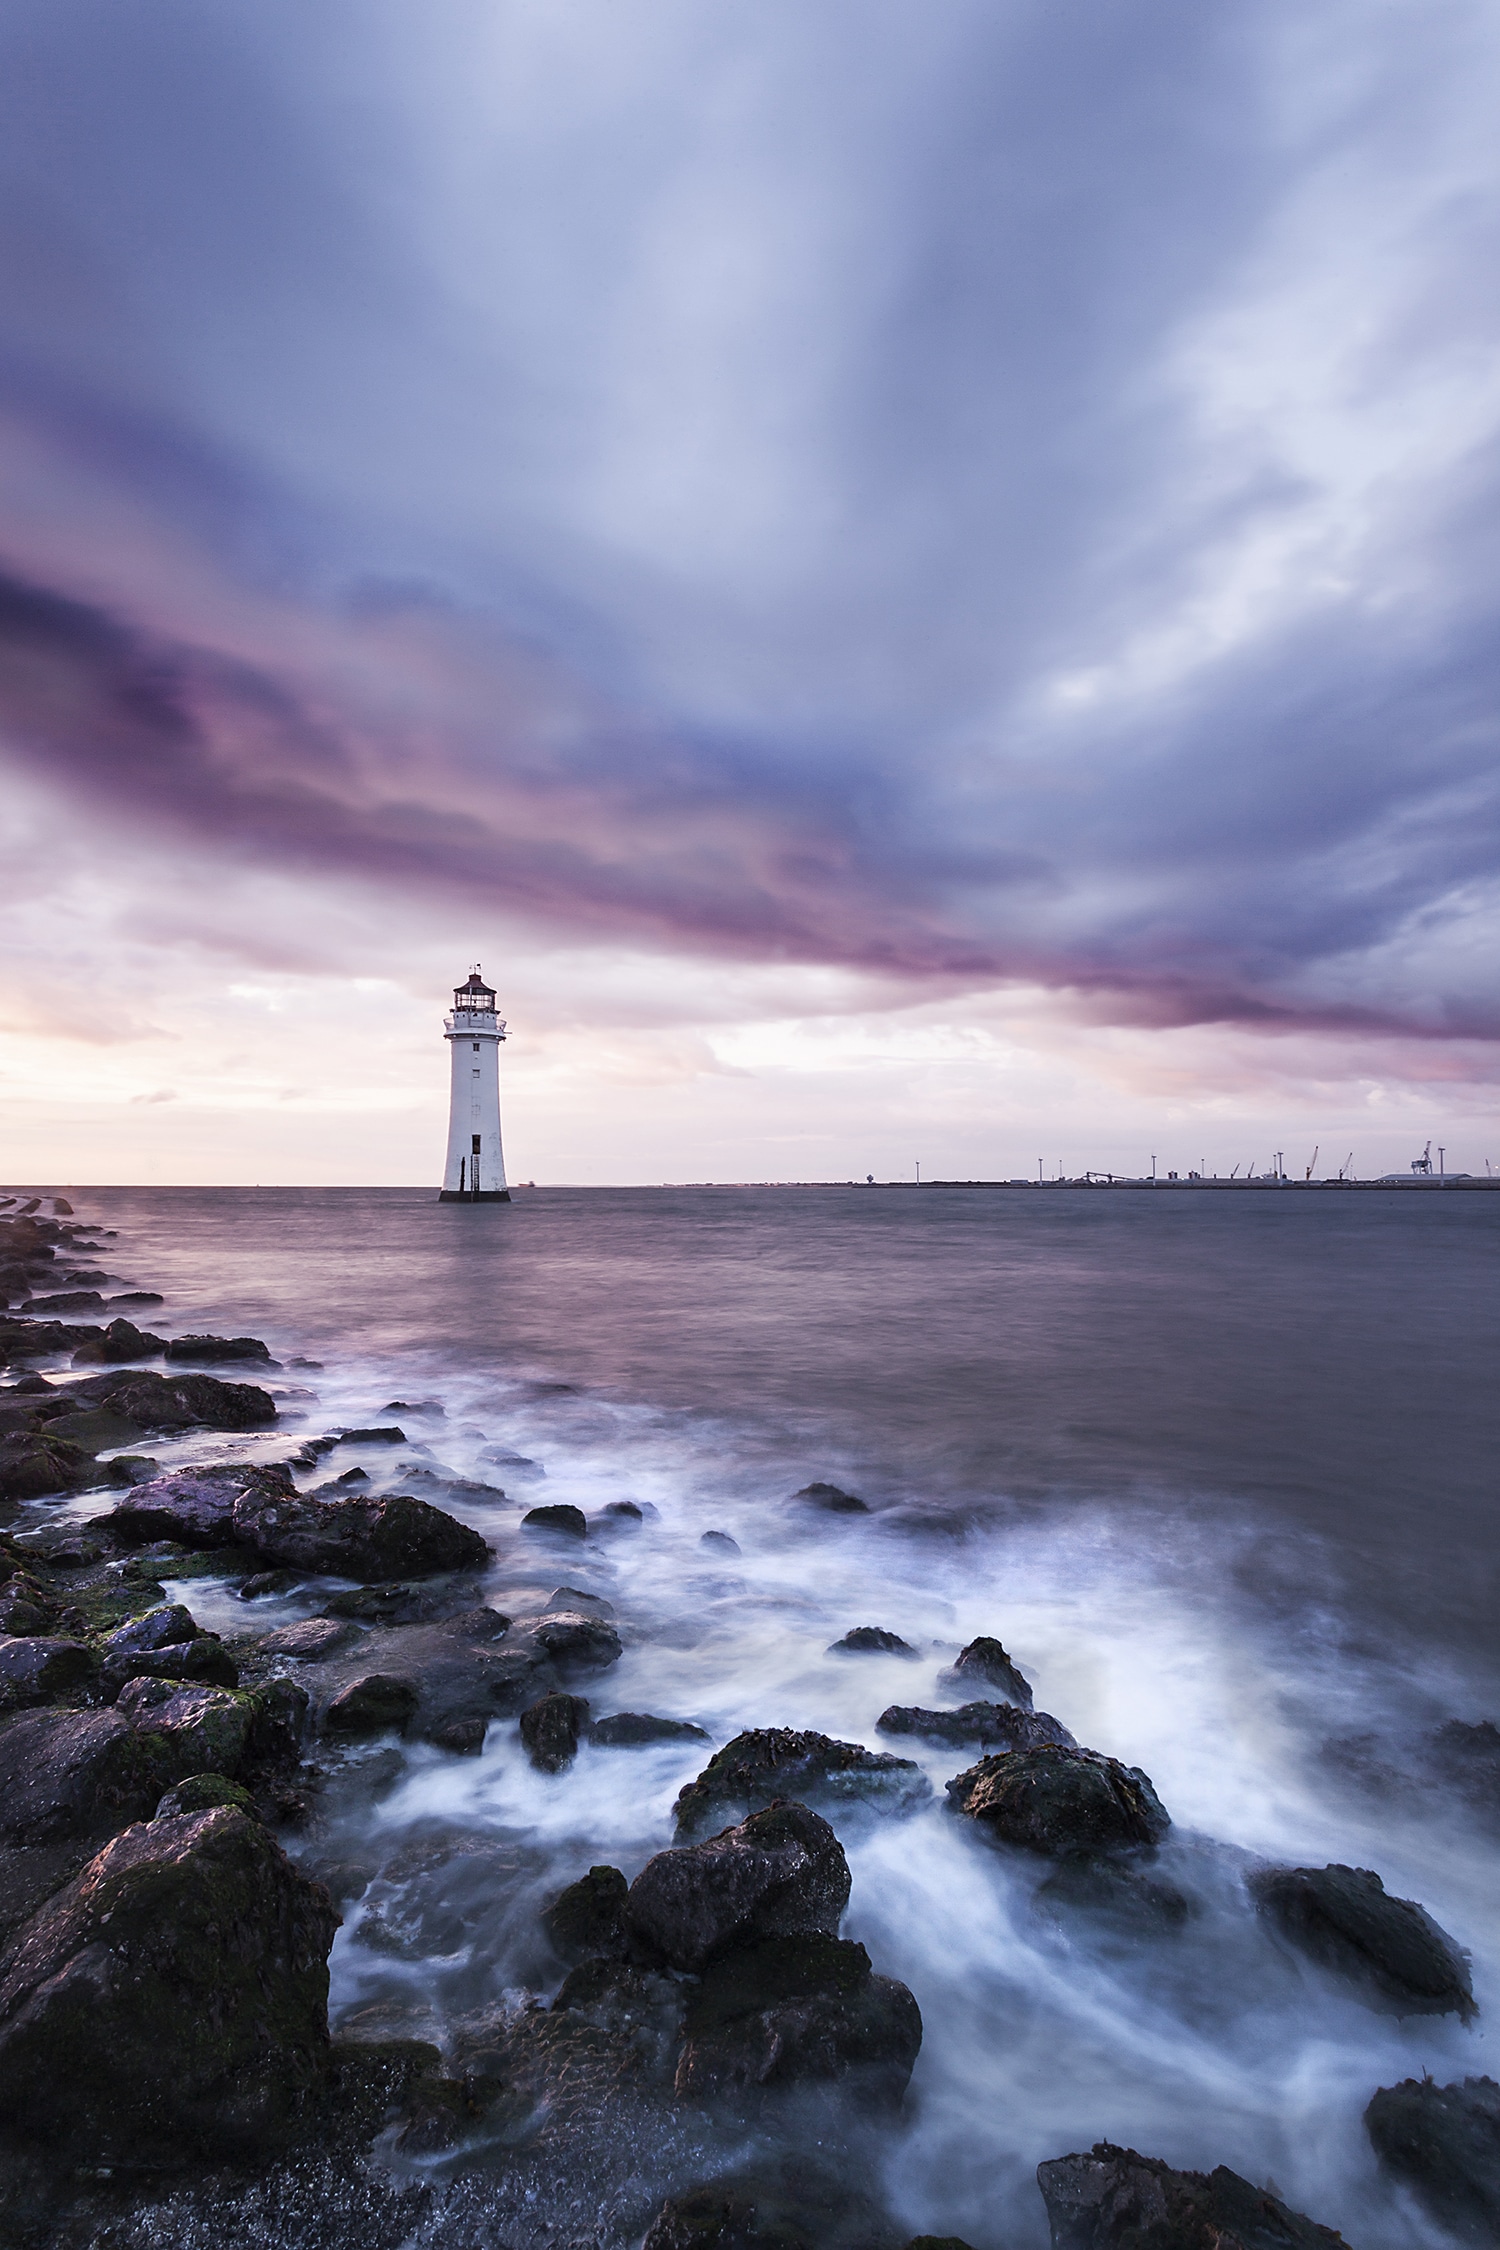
{"points": [[476, 1046]]}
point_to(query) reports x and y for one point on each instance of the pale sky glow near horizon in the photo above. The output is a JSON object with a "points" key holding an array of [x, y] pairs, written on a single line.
{"points": [[915, 583]]}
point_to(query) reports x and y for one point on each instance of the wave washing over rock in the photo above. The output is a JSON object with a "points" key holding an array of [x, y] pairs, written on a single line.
{"points": [[444, 1805]]}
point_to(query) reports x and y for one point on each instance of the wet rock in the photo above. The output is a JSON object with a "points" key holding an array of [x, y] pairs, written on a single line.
{"points": [[180, 1402], [391, 1536], [782, 1871], [985, 1659], [770, 1762], [463, 1737], [34, 1467], [188, 1729], [1114, 2199], [409, 1602], [166, 1626], [871, 1640], [1342, 1918], [792, 2207], [38, 1669], [720, 1543], [70, 1773], [68, 1300], [1444, 2143], [832, 1500], [20, 1616], [629, 1730], [1061, 1802], [201, 1792], [1108, 1891], [588, 1918], [790, 2010], [550, 1729], [570, 1640], [623, 1514], [372, 1704], [260, 1583], [559, 1517], [312, 1640], [196, 1506], [205, 1660], [984, 1726], [387, 1435], [172, 1998], [217, 1348], [574, 1599], [119, 1341]]}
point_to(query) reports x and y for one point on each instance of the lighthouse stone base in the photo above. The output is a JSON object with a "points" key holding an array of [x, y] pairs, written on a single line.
{"points": [[467, 1195]]}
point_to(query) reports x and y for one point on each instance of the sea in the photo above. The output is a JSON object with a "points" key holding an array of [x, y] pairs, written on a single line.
{"points": [[1219, 1470]]}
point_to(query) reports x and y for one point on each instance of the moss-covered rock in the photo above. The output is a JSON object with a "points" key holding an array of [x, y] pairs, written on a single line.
{"points": [[36, 1668], [172, 1998], [71, 1773], [201, 1792]]}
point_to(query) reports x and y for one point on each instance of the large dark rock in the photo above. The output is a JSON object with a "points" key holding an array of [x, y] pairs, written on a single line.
{"points": [[166, 1626], [572, 1641], [205, 1660], [781, 1871], [1444, 2143], [633, 1730], [1342, 1918], [33, 1466], [372, 1704], [363, 1536], [172, 1998], [588, 1918], [785, 2207], [550, 1729], [871, 1640], [790, 2010], [191, 1348], [1114, 2199], [985, 1660], [37, 1669], [1060, 1802], [185, 1728], [570, 1521], [120, 1341], [355, 1535], [982, 1726], [70, 1773], [770, 1762], [180, 1402]]}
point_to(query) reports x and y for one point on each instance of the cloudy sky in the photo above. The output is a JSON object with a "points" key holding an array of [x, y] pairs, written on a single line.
{"points": [[915, 581]]}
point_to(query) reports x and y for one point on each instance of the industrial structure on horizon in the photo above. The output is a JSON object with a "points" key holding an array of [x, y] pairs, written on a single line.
{"points": [[475, 1170]]}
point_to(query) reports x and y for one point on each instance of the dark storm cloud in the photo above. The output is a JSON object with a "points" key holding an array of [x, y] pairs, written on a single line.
{"points": [[975, 492]]}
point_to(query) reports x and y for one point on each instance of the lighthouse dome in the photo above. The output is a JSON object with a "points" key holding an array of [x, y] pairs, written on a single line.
{"points": [[475, 997]]}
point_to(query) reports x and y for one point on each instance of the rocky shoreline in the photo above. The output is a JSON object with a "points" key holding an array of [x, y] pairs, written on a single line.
{"points": [[701, 2057]]}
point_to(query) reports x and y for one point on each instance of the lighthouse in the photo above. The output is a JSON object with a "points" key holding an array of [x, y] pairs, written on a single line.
{"points": [[475, 1170]]}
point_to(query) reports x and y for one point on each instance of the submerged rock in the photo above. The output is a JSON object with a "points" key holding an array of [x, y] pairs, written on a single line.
{"points": [[571, 1640], [1111, 1892], [770, 1762], [1114, 2199], [781, 1871], [832, 1500], [550, 1729], [1059, 1802], [630, 1730], [998, 1726], [720, 1543], [1468, 1757], [311, 1641], [871, 1640], [1444, 2143], [172, 1998], [985, 1659], [1342, 1918]]}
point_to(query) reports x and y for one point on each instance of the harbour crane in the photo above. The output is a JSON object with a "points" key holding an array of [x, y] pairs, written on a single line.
{"points": [[1344, 1167], [1307, 1175], [1423, 1163]]}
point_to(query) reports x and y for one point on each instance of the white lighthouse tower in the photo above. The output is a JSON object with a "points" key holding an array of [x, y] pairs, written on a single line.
{"points": [[475, 1170]]}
